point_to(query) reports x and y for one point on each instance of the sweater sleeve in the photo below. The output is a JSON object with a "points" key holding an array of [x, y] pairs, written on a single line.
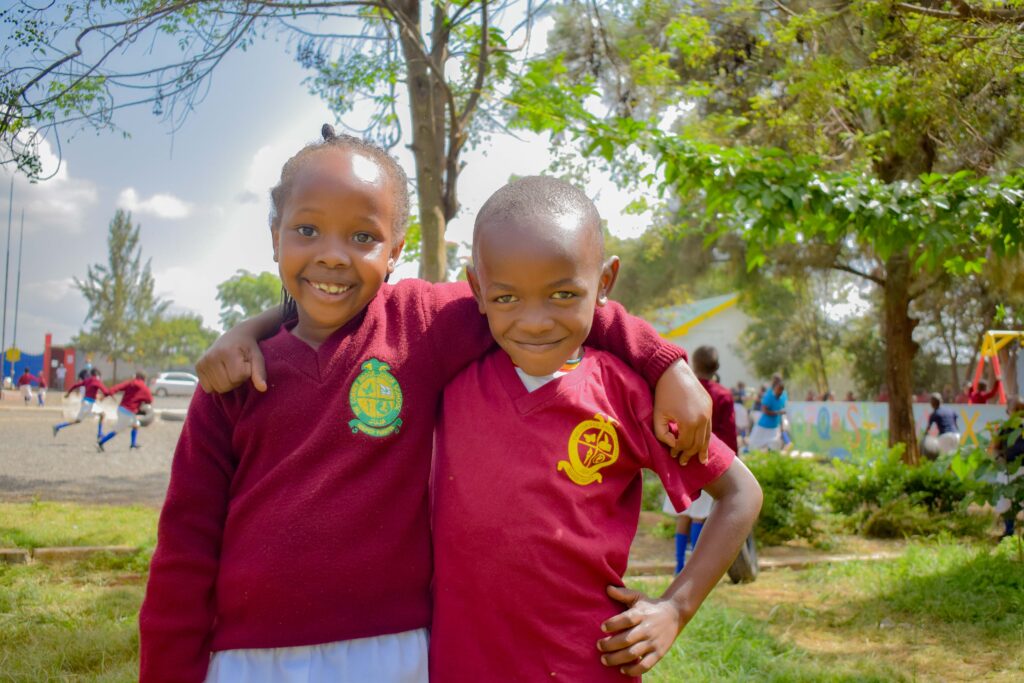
{"points": [[177, 617], [633, 341], [459, 334]]}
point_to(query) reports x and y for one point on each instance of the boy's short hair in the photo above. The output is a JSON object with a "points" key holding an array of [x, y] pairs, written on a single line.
{"points": [[705, 360], [538, 197]]}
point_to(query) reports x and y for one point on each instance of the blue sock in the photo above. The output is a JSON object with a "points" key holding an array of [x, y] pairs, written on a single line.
{"points": [[682, 540], [99, 430], [135, 433], [61, 426], [108, 437], [695, 528], [1008, 526]]}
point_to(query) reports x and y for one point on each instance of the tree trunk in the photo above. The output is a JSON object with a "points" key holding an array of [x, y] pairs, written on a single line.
{"points": [[426, 107], [900, 349]]}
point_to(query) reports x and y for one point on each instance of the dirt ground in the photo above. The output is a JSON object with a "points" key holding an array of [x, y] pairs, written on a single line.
{"points": [[35, 464]]}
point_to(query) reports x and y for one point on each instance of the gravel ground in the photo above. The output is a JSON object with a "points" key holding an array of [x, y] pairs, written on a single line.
{"points": [[35, 464]]}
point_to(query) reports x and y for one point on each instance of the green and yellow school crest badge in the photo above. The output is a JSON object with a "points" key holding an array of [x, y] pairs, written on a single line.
{"points": [[376, 400]]}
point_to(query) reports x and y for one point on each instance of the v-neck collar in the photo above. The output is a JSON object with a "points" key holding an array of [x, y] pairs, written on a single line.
{"points": [[316, 363], [526, 401]]}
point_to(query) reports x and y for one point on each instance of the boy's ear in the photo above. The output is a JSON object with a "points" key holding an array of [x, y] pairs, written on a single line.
{"points": [[275, 233], [609, 271], [474, 284], [396, 251]]}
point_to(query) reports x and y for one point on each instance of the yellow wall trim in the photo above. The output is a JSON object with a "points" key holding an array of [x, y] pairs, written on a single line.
{"points": [[685, 328]]}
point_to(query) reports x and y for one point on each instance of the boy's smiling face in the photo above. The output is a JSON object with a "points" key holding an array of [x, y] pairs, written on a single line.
{"points": [[538, 281]]}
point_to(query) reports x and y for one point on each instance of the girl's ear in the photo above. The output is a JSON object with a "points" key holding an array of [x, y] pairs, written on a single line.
{"points": [[474, 284], [274, 235], [396, 251], [609, 271]]}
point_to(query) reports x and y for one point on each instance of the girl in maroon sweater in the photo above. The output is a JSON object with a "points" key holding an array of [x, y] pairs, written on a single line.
{"points": [[294, 542]]}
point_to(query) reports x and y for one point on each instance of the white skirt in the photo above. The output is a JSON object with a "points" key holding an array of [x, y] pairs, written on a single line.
{"points": [[765, 438], [699, 509], [392, 658]]}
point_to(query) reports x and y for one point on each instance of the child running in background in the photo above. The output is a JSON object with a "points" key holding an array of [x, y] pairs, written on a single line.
{"points": [[91, 383], [135, 394], [25, 382], [690, 522], [534, 514], [294, 543]]}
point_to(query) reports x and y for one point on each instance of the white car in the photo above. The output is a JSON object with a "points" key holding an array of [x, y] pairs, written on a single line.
{"points": [[175, 384]]}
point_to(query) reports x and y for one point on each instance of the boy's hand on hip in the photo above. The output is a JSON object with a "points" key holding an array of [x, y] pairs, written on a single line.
{"points": [[232, 359], [644, 632], [680, 398]]}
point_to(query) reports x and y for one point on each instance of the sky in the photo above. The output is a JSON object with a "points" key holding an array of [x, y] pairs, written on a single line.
{"points": [[201, 194]]}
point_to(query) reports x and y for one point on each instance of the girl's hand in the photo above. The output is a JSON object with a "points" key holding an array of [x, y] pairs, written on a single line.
{"points": [[679, 398], [644, 632]]}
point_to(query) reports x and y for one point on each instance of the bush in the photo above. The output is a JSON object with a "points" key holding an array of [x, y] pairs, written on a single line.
{"points": [[792, 497], [884, 497]]}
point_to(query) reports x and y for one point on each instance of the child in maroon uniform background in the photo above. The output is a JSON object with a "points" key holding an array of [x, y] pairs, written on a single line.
{"points": [[92, 386], [294, 543], [534, 514], [690, 521], [135, 394]]}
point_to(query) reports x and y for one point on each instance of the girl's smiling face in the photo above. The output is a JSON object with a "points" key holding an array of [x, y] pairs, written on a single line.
{"points": [[334, 241]]}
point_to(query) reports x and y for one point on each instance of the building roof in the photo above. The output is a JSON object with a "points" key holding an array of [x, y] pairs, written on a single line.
{"points": [[676, 321]]}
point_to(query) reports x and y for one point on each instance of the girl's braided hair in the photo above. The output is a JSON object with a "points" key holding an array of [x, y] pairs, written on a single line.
{"points": [[331, 140]]}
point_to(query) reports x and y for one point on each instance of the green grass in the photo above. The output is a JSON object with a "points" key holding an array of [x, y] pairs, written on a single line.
{"points": [[42, 524], [947, 610]]}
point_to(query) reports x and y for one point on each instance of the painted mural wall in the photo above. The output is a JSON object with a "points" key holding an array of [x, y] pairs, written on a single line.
{"points": [[840, 428]]}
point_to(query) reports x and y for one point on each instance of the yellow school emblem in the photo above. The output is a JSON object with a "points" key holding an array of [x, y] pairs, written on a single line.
{"points": [[376, 400], [594, 445]]}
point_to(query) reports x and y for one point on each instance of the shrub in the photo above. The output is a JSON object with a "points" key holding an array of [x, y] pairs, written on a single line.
{"points": [[792, 497], [884, 497]]}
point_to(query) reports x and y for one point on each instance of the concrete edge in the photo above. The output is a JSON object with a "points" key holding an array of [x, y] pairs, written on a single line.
{"points": [[63, 554]]}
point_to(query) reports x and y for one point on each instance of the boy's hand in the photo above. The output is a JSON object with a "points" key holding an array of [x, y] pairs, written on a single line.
{"points": [[644, 632], [680, 398], [233, 358]]}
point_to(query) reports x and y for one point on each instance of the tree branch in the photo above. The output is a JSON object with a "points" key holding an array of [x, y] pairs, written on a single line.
{"points": [[838, 265], [963, 11]]}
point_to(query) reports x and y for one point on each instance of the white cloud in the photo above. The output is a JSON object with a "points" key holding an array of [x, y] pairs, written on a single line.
{"points": [[159, 205], [57, 204], [51, 290]]}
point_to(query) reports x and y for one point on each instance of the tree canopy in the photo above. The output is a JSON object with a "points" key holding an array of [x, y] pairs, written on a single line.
{"points": [[873, 137], [80, 63]]}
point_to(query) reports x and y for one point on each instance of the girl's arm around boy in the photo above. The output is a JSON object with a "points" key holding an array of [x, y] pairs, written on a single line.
{"points": [[646, 630]]}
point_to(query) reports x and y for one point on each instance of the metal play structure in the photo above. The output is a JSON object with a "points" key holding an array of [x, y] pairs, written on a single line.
{"points": [[991, 343]]}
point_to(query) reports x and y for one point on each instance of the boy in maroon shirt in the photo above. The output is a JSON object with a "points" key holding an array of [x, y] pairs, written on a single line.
{"points": [[534, 514], [135, 394], [93, 385]]}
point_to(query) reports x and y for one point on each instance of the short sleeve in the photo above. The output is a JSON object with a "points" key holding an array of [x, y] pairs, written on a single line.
{"points": [[684, 483]]}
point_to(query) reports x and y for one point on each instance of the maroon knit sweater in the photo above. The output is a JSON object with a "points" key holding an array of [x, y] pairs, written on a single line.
{"points": [[299, 516]]}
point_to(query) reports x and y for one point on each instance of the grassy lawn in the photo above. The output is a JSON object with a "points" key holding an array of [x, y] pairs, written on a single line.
{"points": [[947, 610]]}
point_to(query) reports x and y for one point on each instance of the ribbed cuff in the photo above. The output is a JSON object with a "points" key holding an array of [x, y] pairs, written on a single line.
{"points": [[657, 364]]}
